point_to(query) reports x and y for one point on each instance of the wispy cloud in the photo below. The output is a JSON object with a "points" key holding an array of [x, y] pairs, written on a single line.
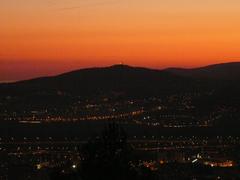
{"points": [[92, 4]]}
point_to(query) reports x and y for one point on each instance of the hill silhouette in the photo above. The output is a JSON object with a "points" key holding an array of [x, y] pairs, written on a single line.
{"points": [[129, 81], [119, 78], [209, 89], [225, 71]]}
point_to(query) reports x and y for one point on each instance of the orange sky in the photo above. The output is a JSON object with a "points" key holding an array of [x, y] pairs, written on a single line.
{"points": [[45, 37]]}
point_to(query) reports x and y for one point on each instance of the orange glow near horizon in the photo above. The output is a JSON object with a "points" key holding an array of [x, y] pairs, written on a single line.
{"points": [[49, 37]]}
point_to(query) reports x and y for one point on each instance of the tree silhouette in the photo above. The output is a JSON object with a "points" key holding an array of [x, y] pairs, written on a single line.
{"points": [[108, 156]]}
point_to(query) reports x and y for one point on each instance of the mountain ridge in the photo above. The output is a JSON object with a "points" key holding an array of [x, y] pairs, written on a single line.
{"points": [[223, 71], [123, 77], [230, 70], [122, 83]]}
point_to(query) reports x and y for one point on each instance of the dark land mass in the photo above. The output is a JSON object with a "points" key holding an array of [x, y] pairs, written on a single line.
{"points": [[210, 92], [225, 71]]}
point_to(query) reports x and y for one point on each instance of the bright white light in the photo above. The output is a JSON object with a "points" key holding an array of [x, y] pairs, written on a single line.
{"points": [[74, 166], [195, 160]]}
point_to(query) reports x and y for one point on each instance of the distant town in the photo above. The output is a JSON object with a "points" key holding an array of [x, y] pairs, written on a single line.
{"points": [[175, 124]]}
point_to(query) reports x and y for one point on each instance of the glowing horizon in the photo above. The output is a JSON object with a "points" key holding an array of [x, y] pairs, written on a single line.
{"points": [[48, 37]]}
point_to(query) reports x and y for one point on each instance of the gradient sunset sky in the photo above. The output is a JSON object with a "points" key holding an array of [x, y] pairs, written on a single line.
{"points": [[46, 37]]}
